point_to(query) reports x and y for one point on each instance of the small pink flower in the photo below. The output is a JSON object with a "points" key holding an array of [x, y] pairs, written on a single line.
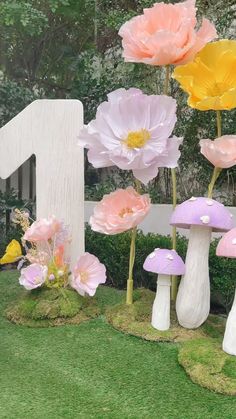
{"points": [[88, 274], [132, 131], [43, 229], [165, 34], [221, 152], [120, 211], [33, 276]]}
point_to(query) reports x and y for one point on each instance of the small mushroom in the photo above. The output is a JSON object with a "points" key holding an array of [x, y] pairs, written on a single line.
{"points": [[201, 216], [227, 248], [165, 263]]}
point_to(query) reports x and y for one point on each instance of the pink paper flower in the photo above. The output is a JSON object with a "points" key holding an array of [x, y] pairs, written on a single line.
{"points": [[43, 229], [120, 211], [221, 152], [165, 34], [88, 274], [132, 131], [33, 276]]}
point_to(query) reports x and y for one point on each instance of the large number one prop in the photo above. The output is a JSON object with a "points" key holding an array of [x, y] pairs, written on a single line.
{"points": [[49, 129]]}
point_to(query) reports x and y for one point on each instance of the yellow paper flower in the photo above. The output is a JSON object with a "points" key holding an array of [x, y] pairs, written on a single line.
{"points": [[210, 80], [12, 253]]}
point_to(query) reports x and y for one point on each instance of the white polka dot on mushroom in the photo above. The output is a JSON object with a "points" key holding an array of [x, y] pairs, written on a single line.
{"points": [[152, 255], [234, 241], [209, 202], [205, 219], [169, 256]]}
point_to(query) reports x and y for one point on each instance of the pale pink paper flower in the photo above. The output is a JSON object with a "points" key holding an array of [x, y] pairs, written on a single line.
{"points": [[221, 152], [165, 34], [132, 131], [120, 211], [33, 276], [43, 229], [88, 274]]}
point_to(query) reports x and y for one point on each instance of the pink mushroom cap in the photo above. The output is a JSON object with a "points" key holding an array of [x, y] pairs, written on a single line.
{"points": [[227, 245], [202, 211], [165, 262]]}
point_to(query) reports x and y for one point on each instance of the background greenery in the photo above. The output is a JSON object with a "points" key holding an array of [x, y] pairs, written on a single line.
{"points": [[71, 49]]}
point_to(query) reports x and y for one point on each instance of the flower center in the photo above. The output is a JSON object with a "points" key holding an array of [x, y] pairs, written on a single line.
{"points": [[137, 139], [83, 277], [125, 211]]}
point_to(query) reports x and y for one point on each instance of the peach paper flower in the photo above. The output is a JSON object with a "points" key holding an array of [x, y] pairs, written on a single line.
{"points": [[88, 274], [165, 34], [221, 152], [131, 131], [42, 229], [120, 211]]}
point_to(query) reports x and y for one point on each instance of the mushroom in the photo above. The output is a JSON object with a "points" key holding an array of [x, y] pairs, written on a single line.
{"points": [[227, 247], [165, 263], [201, 216]]}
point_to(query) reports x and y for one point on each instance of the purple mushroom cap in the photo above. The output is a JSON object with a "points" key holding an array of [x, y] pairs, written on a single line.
{"points": [[202, 212], [165, 262]]}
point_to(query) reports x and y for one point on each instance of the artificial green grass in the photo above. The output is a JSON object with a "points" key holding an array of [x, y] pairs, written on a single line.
{"points": [[93, 371]]}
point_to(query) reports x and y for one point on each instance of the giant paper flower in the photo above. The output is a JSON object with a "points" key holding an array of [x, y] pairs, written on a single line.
{"points": [[43, 229], [165, 34], [132, 131], [12, 253], [88, 274], [210, 80], [221, 152], [120, 211], [33, 276]]}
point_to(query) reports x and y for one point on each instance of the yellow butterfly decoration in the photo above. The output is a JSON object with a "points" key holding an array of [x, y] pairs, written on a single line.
{"points": [[12, 253]]}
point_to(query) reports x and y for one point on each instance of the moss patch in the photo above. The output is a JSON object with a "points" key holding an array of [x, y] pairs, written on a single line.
{"points": [[135, 320], [207, 365], [44, 307]]}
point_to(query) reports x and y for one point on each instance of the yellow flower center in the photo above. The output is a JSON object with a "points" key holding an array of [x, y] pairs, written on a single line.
{"points": [[125, 211], [83, 277], [137, 139]]}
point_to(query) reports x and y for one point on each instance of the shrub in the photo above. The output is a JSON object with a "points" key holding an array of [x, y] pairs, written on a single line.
{"points": [[113, 251]]}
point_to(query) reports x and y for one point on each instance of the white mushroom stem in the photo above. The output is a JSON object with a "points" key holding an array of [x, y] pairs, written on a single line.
{"points": [[161, 305], [229, 342], [193, 299]]}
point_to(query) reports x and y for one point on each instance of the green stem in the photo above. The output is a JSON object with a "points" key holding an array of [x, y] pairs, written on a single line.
{"points": [[216, 174], [174, 197], [219, 124], [167, 79], [130, 282], [217, 170]]}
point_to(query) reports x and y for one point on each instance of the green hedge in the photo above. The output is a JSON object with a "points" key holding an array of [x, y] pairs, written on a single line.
{"points": [[113, 251]]}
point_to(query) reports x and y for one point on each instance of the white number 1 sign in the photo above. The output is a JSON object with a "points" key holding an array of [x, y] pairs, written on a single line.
{"points": [[49, 129]]}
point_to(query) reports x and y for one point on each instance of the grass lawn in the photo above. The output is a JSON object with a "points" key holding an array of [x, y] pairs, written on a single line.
{"points": [[93, 371]]}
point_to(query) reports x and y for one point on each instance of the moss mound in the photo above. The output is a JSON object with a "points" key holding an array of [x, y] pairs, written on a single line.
{"points": [[136, 320], [207, 365], [52, 307]]}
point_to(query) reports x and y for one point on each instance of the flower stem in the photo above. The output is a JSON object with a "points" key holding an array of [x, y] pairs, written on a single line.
{"points": [[219, 124], [167, 79], [174, 195], [130, 282], [217, 170]]}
